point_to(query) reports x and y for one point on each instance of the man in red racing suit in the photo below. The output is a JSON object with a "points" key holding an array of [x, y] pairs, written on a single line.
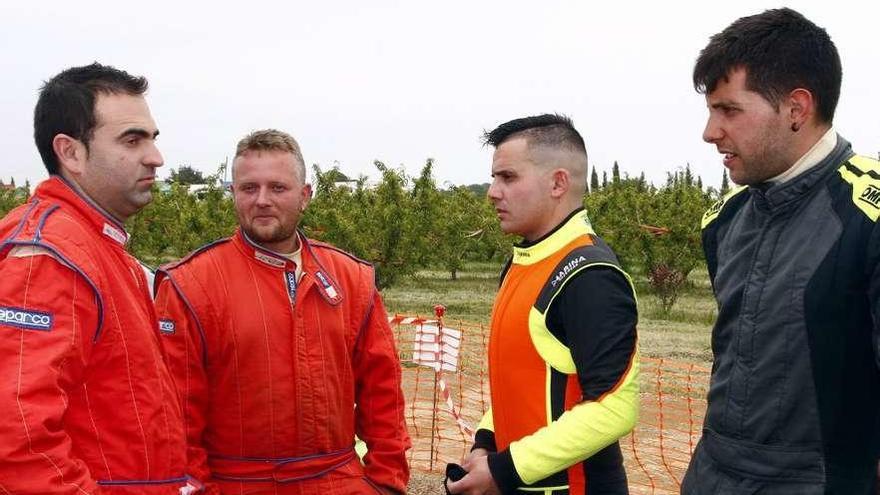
{"points": [[87, 404], [281, 348]]}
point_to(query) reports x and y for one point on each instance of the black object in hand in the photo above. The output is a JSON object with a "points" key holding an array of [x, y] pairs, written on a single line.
{"points": [[454, 472]]}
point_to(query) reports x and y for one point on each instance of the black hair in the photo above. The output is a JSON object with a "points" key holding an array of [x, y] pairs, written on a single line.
{"points": [[542, 130], [66, 104], [781, 50]]}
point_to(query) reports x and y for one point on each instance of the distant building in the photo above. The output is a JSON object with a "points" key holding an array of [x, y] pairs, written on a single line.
{"points": [[194, 189]]}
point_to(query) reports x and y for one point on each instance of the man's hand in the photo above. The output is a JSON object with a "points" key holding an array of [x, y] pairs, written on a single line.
{"points": [[472, 456], [192, 487], [479, 480]]}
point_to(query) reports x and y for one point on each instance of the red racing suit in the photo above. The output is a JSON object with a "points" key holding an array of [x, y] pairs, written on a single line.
{"points": [[278, 375], [87, 403]]}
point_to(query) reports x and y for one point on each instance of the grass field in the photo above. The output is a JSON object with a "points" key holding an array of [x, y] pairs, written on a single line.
{"points": [[683, 334]]}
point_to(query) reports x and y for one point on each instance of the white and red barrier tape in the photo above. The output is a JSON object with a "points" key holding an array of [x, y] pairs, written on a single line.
{"points": [[410, 320], [466, 429]]}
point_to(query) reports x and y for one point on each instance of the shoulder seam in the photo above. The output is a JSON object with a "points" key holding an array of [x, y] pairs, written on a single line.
{"points": [[324, 245], [191, 256], [23, 220], [62, 260]]}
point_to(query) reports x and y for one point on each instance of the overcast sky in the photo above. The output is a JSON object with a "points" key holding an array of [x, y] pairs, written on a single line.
{"points": [[404, 81]]}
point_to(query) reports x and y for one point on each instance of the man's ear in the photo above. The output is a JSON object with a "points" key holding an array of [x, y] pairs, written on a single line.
{"points": [[307, 196], [561, 182], [70, 152], [801, 108]]}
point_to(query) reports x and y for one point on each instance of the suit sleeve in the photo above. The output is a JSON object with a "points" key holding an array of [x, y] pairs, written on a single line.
{"points": [[484, 438], [48, 314], [595, 316], [379, 401], [184, 347]]}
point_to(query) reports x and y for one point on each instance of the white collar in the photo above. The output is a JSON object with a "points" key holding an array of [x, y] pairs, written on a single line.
{"points": [[823, 147]]}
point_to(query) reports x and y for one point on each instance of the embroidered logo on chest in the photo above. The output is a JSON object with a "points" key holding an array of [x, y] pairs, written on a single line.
{"points": [[290, 278], [166, 326], [327, 287], [269, 260], [117, 235], [26, 319], [566, 270], [871, 195]]}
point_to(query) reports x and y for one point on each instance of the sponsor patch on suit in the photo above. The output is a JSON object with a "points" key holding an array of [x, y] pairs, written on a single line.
{"points": [[166, 326], [26, 319]]}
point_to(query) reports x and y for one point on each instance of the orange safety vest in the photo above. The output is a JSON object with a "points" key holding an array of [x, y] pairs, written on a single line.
{"points": [[532, 375]]}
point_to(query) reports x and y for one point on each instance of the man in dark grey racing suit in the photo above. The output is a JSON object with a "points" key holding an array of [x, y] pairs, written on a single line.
{"points": [[794, 401]]}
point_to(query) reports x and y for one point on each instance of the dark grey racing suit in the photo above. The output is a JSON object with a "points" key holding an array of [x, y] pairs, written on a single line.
{"points": [[794, 401]]}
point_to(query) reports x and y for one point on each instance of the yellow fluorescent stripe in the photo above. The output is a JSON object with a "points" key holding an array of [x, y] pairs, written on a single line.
{"points": [[715, 209], [551, 350], [548, 403], [579, 432], [488, 422], [864, 163], [865, 192], [576, 226]]}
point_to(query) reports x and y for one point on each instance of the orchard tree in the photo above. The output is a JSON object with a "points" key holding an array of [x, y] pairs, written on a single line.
{"points": [[459, 229], [186, 174], [429, 208], [11, 198], [655, 233], [725, 183], [377, 224], [177, 222], [336, 212], [616, 212], [393, 225], [673, 249]]}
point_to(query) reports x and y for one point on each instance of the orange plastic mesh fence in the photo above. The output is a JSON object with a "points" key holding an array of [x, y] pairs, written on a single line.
{"points": [[443, 408]]}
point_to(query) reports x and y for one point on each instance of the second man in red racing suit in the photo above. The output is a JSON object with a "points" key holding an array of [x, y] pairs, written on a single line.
{"points": [[281, 359]]}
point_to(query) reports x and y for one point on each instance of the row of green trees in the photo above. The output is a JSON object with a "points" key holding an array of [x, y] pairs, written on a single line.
{"points": [[406, 223]]}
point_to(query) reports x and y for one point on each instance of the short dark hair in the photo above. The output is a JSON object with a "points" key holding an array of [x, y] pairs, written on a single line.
{"points": [[541, 130], [781, 50], [66, 104]]}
